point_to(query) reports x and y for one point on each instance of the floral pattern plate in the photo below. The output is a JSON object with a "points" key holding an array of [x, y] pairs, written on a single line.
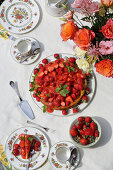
{"points": [[82, 106], [19, 16], [14, 51], [53, 159], [38, 158]]}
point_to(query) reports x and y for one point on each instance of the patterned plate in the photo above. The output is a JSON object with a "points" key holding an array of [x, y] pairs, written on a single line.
{"points": [[82, 106], [53, 159], [19, 16], [14, 51], [38, 159]]}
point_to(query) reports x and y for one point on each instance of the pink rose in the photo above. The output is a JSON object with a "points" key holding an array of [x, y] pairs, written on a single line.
{"points": [[106, 47]]}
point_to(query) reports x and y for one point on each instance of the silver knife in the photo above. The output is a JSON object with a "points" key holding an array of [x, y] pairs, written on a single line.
{"points": [[23, 104]]}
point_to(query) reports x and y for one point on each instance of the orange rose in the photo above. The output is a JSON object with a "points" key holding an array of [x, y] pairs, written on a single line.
{"points": [[107, 2], [83, 38], [68, 30], [107, 30], [105, 67]]}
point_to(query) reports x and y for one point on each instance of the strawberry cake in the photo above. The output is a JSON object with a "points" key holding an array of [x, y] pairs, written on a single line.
{"points": [[59, 84]]}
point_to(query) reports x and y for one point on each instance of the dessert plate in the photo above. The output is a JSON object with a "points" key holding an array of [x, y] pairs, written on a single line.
{"points": [[53, 159], [35, 46], [82, 106], [19, 16], [38, 158]]}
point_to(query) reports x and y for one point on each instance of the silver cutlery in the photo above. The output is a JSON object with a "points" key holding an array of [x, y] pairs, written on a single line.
{"points": [[72, 158], [23, 104], [45, 128], [30, 159]]}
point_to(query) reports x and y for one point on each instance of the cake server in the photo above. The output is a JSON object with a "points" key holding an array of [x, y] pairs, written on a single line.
{"points": [[23, 104]]}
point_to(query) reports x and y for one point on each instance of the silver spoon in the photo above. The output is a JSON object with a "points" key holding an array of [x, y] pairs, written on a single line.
{"points": [[72, 157]]}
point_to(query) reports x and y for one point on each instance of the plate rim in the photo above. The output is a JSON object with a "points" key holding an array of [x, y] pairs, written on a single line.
{"points": [[87, 104], [34, 128]]}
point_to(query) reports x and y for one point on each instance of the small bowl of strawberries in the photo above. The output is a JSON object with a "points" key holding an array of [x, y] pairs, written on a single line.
{"points": [[85, 131]]}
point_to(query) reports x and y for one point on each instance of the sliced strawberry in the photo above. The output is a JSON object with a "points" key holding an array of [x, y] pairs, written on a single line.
{"points": [[40, 73], [51, 99], [55, 65], [69, 99], [73, 96], [45, 72], [63, 104], [45, 98], [50, 68], [61, 65], [49, 110], [67, 103]]}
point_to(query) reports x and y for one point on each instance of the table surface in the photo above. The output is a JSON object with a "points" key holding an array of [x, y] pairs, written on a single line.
{"points": [[47, 33]]}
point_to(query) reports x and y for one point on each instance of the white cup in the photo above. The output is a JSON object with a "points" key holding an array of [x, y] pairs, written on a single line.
{"points": [[63, 154], [24, 47]]}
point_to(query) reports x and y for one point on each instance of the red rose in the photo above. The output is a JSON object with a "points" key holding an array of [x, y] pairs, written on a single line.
{"points": [[83, 38], [68, 30], [105, 67], [107, 30]]}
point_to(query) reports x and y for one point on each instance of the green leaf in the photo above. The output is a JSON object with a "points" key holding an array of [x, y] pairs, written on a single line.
{"points": [[32, 89], [30, 139], [44, 108], [72, 68], [47, 95], [57, 89], [64, 92], [63, 19], [64, 87], [22, 138]]}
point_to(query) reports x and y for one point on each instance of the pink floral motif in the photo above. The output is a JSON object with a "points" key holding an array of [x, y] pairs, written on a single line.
{"points": [[106, 47], [69, 15]]}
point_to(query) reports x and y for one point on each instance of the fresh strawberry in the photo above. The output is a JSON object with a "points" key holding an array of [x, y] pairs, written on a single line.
{"points": [[74, 127], [88, 132], [56, 103], [49, 110], [84, 141], [73, 132], [45, 98], [28, 143], [67, 103], [15, 152], [23, 151], [73, 96], [79, 126], [69, 99], [40, 73], [56, 56], [82, 132], [36, 148], [61, 65], [40, 66], [63, 104], [37, 143], [44, 61], [87, 90], [96, 133], [83, 76], [93, 125], [75, 110], [55, 65], [22, 144], [84, 126], [36, 70], [88, 119], [16, 146], [50, 68], [80, 119], [51, 99], [64, 112], [22, 136], [31, 85], [72, 60], [84, 99], [34, 95], [38, 98], [23, 156]]}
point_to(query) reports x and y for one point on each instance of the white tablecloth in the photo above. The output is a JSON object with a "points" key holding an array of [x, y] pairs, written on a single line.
{"points": [[47, 33]]}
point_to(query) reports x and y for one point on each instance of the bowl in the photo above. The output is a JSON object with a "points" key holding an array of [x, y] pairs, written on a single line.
{"points": [[75, 122]]}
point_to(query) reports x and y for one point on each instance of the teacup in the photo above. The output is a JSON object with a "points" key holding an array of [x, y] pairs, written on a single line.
{"points": [[24, 47], [63, 154]]}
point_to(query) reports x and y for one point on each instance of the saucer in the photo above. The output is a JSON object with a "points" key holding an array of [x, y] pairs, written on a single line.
{"points": [[15, 53], [56, 164]]}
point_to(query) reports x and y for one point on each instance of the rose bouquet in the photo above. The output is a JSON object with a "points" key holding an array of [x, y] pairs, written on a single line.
{"points": [[94, 41]]}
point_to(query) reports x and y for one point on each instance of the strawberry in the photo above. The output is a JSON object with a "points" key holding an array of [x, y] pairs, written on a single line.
{"points": [[67, 103], [56, 103], [23, 156], [84, 99], [16, 146], [15, 152], [73, 96], [88, 119], [74, 127], [45, 98], [82, 132], [31, 85], [23, 152], [88, 74], [56, 56], [64, 112], [84, 126], [44, 61], [88, 132], [22, 136], [40, 73], [79, 126], [34, 95], [75, 110], [63, 104], [80, 119], [49, 110], [55, 65], [37, 143], [96, 133], [84, 141], [51, 99], [36, 71], [73, 132], [22, 144], [38, 98], [69, 99], [61, 65], [40, 66], [50, 68], [72, 60], [93, 125], [36, 148]]}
